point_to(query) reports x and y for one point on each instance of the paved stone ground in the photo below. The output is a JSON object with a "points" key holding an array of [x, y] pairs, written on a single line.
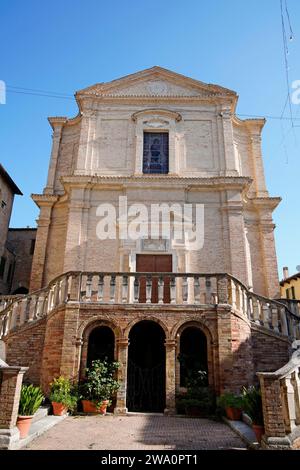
{"points": [[137, 432]]}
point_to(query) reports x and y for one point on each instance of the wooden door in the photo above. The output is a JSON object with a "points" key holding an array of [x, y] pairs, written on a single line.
{"points": [[154, 263]]}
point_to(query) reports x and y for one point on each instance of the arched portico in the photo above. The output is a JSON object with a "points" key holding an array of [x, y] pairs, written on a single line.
{"points": [[146, 378], [194, 350]]}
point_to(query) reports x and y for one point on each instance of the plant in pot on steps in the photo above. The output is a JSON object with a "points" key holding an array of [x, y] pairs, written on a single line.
{"points": [[62, 395], [252, 405], [99, 386], [231, 404], [31, 398]]}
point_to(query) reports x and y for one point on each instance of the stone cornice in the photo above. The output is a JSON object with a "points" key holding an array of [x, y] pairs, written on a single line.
{"points": [[184, 182], [157, 111], [56, 121], [44, 199], [263, 202]]}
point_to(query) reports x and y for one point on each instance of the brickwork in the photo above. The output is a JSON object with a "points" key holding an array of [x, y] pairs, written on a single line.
{"points": [[10, 389], [25, 347], [58, 345], [268, 346], [21, 243]]}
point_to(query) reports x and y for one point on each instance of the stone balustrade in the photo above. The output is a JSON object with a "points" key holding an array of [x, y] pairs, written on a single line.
{"points": [[5, 300], [292, 304], [281, 405], [199, 289]]}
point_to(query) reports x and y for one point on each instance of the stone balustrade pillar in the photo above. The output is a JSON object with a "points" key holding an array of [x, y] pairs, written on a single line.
{"points": [[11, 382], [275, 433]]}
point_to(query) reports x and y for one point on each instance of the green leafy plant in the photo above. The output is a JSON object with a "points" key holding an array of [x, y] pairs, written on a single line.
{"points": [[201, 398], [230, 400], [31, 399], [62, 391], [100, 383], [252, 404]]}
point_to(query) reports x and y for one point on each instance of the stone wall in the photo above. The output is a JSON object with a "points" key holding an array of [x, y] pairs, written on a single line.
{"points": [[21, 242], [25, 347], [58, 344], [270, 351]]}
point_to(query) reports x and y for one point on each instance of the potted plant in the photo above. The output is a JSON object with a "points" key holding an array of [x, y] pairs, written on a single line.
{"points": [[99, 386], [30, 400], [62, 396], [252, 405], [232, 404]]}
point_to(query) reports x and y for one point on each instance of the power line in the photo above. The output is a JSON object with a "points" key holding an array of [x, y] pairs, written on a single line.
{"points": [[40, 94], [39, 91]]}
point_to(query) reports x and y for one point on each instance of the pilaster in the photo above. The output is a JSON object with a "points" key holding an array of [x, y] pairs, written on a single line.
{"points": [[170, 377], [122, 349]]}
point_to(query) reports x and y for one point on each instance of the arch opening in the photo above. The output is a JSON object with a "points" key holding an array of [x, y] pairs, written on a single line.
{"points": [[101, 344], [146, 367], [193, 355]]}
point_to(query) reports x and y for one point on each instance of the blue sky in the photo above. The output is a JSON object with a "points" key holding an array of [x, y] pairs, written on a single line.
{"points": [[65, 45]]}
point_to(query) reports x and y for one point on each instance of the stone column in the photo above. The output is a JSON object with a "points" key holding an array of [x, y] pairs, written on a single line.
{"points": [[56, 138], [45, 204], [11, 382], [81, 164], [231, 165], [237, 245], [122, 345], [170, 376], [269, 260], [255, 139]]}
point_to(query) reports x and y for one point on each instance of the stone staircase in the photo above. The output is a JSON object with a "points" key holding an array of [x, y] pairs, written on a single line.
{"points": [[113, 288]]}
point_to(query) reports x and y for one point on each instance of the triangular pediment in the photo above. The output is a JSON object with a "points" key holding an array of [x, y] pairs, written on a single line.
{"points": [[155, 82]]}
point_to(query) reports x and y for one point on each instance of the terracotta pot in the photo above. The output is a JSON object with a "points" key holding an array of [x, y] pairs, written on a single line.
{"points": [[23, 424], [90, 407], [59, 409], [259, 431], [234, 414], [103, 406]]}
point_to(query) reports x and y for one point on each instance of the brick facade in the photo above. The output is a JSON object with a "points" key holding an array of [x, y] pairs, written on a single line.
{"points": [[215, 161], [59, 344]]}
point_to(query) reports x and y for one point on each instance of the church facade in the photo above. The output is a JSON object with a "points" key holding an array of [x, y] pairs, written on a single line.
{"points": [[142, 150]]}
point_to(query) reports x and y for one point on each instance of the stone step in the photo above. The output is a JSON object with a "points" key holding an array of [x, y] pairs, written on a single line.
{"points": [[37, 428], [41, 413]]}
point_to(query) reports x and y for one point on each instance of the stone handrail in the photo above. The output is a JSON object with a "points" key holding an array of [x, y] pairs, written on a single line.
{"points": [[5, 300], [292, 304], [281, 403], [150, 288]]}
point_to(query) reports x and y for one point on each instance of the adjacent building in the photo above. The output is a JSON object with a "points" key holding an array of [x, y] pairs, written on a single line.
{"points": [[16, 245]]}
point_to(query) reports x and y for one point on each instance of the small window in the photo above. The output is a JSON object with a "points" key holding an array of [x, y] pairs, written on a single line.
{"points": [[32, 246], [287, 293], [10, 273], [156, 153], [2, 266], [293, 292]]}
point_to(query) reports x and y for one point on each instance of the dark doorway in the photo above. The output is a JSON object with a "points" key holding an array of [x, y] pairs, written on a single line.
{"points": [[155, 264], [146, 368], [20, 290], [193, 354], [101, 344]]}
